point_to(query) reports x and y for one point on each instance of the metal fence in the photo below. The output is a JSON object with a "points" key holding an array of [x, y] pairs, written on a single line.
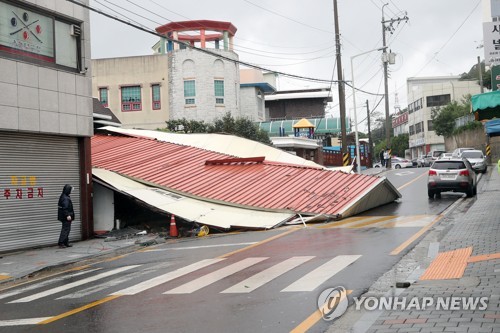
{"points": [[464, 120]]}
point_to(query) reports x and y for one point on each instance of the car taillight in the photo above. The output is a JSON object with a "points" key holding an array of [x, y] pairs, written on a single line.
{"points": [[432, 173], [464, 173]]}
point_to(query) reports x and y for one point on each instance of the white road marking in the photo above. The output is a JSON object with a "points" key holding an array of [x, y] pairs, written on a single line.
{"points": [[44, 283], [72, 285], [112, 283], [404, 173], [210, 278], [166, 277], [315, 278], [199, 247], [18, 322], [267, 275]]}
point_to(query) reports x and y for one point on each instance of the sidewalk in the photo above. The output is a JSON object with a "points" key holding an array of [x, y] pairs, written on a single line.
{"points": [[454, 272], [21, 264]]}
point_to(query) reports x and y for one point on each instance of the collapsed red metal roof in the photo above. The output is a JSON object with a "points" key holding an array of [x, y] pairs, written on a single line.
{"points": [[250, 182]]}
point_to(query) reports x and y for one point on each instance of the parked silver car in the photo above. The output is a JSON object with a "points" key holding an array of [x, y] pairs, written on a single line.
{"points": [[458, 152], [454, 174], [477, 159]]}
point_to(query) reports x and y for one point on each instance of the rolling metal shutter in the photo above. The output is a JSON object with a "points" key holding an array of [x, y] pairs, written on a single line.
{"points": [[33, 171]]}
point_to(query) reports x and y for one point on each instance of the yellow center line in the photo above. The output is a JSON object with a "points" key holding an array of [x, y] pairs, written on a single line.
{"points": [[259, 243], [377, 220], [346, 221], [412, 181], [405, 219], [316, 316], [419, 233], [80, 309]]}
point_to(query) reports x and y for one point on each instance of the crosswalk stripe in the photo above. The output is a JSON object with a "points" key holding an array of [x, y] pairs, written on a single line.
{"points": [[267, 275], [166, 277], [18, 322], [44, 283], [72, 285], [215, 276], [315, 278]]}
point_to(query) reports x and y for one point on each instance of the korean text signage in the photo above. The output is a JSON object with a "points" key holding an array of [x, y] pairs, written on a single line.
{"points": [[400, 120], [26, 33], [22, 187], [491, 36]]}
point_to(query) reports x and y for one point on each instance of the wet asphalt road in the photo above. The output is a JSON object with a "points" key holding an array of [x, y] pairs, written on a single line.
{"points": [[294, 268]]}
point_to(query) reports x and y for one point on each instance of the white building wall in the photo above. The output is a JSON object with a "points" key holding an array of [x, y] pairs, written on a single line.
{"points": [[40, 99], [252, 104], [423, 142], [144, 71], [203, 69]]}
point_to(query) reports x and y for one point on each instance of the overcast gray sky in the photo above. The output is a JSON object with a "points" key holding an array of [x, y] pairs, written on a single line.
{"points": [[440, 38]]}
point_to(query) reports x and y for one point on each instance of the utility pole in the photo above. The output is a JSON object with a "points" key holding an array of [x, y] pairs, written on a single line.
{"points": [[480, 69], [343, 130], [385, 60], [370, 141]]}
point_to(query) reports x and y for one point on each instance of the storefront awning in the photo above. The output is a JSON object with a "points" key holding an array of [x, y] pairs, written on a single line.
{"points": [[486, 106]]}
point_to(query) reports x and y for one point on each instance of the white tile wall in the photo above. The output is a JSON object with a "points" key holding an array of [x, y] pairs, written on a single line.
{"points": [[83, 85], [49, 100], [64, 7], [85, 125], [49, 4], [27, 75], [9, 71], [9, 117], [29, 120], [67, 103], [84, 106], [66, 82], [8, 94], [47, 78], [67, 123], [27, 97], [49, 122]]}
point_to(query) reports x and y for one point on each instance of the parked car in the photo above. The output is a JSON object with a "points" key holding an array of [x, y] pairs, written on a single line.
{"points": [[421, 162], [445, 155], [454, 174], [458, 152], [396, 163], [477, 159], [432, 156]]}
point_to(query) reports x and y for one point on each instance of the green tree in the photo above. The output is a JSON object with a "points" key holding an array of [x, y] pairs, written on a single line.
{"points": [[242, 127], [443, 118]]}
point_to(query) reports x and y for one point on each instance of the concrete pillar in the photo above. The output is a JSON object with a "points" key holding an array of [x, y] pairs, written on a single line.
{"points": [[175, 36], [226, 42], [202, 38], [231, 44]]}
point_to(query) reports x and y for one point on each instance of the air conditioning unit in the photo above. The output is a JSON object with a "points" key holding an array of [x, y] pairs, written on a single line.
{"points": [[76, 30]]}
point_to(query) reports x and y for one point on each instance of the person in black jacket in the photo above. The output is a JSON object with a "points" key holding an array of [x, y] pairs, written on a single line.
{"points": [[66, 215]]}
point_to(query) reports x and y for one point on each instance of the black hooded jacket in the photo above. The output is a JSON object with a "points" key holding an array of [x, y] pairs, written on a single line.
{"points": [[65, 206]]}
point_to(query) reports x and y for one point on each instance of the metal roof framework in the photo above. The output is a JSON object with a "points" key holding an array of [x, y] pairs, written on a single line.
{"points": [[258, 185]]}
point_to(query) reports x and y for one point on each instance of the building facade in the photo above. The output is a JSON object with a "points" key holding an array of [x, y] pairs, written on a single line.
{"points": [[45, 120], [136, 89], [424, 94]]}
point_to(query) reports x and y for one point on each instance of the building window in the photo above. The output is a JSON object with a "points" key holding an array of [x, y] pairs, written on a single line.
{"points": [[412, 130], [131, 98], [103, 96], [219, 91], [189, 92], [155, 91], [438, 100], [429, 125]]}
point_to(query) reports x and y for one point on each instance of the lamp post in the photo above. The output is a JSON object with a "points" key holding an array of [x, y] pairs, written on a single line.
{"points": [[354, 105]]}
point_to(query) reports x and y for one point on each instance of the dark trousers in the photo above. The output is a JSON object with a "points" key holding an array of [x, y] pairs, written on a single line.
{"points": [[65, 229]]}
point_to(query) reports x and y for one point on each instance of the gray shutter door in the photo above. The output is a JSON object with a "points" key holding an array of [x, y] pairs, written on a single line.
{"points": [[33, 171]]}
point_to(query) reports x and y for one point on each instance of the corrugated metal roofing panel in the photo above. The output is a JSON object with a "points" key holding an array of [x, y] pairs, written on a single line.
{"points": [[220, 143], [221, 216], [265, 186]]}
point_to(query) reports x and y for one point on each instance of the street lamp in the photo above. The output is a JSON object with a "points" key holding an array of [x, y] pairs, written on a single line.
{"points": [[358, 169]]}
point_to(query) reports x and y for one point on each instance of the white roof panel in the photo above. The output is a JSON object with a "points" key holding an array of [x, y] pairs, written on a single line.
{"points": [[193, 210]]}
